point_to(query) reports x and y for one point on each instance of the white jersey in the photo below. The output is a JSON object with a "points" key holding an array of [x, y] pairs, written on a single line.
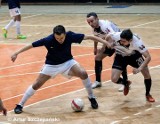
{"points": [[135, 44], [106, 27]]}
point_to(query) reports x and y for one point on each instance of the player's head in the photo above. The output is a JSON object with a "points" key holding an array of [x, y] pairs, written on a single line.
{"points": [[126, 37], [59, 33], [93, 19]]}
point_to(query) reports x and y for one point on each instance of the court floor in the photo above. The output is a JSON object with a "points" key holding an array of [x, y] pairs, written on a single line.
{"points": [[51, 104]]}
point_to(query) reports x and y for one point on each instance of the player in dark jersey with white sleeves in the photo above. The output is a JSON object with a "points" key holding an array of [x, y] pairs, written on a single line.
{"points": [[14, 9], [101, 28], [130, 50], [59, 60]]}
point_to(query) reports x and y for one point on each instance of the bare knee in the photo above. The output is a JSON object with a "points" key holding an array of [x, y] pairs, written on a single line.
{"points": [[83, 75], [114, 79]]}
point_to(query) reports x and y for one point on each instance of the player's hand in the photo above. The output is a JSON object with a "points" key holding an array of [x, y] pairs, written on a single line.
{"points": [[136, 70], [14, 57], [4, 111]]}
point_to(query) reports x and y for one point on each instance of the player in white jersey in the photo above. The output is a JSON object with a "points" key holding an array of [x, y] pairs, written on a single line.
{"points": [[101, 28], [130, 50]]}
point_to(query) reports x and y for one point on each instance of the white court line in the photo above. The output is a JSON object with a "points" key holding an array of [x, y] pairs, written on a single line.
{"points": [[22, 17], [137, 113], [158, 106], [125, 117], [145, 23], [149, 109], [81, 55], [115, 122]]}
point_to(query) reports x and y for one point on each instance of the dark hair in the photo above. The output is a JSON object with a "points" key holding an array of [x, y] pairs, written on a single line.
{"points": [[127, 34], [59, 29], [92, 14]]}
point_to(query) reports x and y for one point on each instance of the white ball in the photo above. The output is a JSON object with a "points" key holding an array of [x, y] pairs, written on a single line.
{"points": [[77, 104]]}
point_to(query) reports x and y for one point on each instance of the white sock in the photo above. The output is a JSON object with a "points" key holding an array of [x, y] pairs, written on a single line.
{"points": [[18, 30], [29, 92], [88, 86], [11, 23]]}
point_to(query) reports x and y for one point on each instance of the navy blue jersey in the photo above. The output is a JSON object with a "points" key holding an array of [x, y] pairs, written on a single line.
{"points": [[13, 4], [59, 53]]}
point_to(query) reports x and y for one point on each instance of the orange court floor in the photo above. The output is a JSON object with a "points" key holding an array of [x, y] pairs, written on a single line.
{"points": [[51, 104]]}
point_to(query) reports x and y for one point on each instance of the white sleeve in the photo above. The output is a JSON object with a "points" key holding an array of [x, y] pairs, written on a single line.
{"points": [[138, 44]]}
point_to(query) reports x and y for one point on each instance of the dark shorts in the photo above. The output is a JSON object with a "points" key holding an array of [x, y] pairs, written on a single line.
{"points": [[134, 60], [109, 52]]}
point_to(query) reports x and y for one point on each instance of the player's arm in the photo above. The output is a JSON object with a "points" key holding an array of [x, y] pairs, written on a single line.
{"points": [[97, 39], [119, 48], [145, 62], [14, 56], [2, 108]]}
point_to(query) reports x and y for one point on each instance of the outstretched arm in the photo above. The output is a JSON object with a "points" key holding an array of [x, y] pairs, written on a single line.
{"points": [[97, 39], [14, 56]]}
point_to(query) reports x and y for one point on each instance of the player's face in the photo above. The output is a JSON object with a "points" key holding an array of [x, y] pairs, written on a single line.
{"points": [[124, 42], [93, 22], [60, 38]]}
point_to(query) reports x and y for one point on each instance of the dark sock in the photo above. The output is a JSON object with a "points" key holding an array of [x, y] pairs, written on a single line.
{"points": [[124, 75], [98, 70], [148, 83], [120, 81]]}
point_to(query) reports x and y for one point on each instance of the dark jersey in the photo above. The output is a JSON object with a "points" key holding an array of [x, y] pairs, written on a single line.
{"points": [[59, 53], [13, 4]]}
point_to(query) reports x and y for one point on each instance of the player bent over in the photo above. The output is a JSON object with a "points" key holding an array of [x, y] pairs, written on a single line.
{"points": [[135, 54], [59, 60]]}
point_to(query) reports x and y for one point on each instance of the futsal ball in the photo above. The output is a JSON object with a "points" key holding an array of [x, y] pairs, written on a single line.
{"points": [[77, 104]]}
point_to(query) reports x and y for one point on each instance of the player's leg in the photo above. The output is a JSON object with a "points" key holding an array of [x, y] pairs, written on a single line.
{"points": [[10, 24], [78, 71], [148, 84], [120, 64], [125, 78], [18, 25], [42, 78], [98, 68]]}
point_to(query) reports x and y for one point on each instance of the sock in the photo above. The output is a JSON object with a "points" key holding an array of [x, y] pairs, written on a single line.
{"points": [[11, 23], [18, 27], [124, 75], [148, 83], [87, 84], [98, 70], [120, 81], [29, 92]]}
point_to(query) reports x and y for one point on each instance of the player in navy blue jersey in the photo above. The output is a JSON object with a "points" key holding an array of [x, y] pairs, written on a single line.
{"points": [[59, 60], [14, 9]]}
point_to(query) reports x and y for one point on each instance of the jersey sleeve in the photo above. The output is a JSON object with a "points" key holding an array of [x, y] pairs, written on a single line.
{"points": [[140, 46], [41, 42], [77, 37]]}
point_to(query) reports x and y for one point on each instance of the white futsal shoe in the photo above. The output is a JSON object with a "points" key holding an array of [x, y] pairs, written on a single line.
{"points": [[96, 84]]}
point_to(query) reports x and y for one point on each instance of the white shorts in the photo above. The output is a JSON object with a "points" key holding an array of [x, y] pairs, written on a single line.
{"points": [[53, 70], [14, 12]]}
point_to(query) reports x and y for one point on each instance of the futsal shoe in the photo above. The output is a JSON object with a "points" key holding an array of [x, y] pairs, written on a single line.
{"points": [[126, 88], [149, 98], [94, 103], [20, 36], [18, 109], [121, 89], [96, 84], [4, 32]]}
